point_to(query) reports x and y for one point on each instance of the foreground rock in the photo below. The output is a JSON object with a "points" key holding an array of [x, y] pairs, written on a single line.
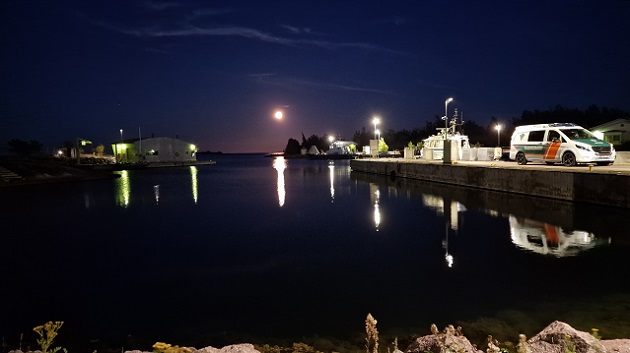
{"points": [[451, 340], [558, 337], [235, 348]]}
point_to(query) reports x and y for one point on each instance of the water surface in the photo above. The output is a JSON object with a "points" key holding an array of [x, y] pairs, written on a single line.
{"points": [[256, 248]]}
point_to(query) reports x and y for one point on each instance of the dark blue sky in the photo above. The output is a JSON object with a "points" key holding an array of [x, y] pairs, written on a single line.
{"points": [[214, 72]]}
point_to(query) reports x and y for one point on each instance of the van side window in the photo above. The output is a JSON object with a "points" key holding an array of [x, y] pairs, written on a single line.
{"points": [[536, 136], [554, 136], [522, 137]]}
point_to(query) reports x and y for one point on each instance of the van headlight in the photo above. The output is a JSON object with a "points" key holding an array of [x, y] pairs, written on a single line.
{"points": [[582, 147]]}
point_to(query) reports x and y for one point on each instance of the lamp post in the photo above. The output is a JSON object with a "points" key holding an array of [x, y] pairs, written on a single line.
{"points": [[376, 121], [446, 102], [121, 139], [498, 127]]}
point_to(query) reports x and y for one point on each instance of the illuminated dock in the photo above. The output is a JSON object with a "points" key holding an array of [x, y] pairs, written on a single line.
{"points": [[608, 185]]}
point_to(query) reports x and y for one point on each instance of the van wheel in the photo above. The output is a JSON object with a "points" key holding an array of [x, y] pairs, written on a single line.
{"points": [[520, 158], [568, 159]]}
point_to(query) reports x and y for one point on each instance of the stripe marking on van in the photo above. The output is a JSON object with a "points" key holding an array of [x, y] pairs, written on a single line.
{"points": [[552, 150]]}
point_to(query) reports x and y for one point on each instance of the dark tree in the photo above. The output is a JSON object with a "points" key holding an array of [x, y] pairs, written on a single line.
{"points": [[362, 138], [476, 133], [23, 148], [293, 147], [397, 140], [317, 141], [431, 127], [303, 141]]}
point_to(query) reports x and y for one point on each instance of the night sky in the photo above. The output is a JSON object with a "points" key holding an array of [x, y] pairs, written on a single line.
{"points": [[214, 72]]}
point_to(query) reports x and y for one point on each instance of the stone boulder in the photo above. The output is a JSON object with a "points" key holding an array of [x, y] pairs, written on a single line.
{"points": [[450, 340], [560, 337], [235, 348]]}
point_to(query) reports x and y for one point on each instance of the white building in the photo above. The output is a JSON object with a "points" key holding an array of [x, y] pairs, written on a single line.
{"points": [[616, 132], [154, 150]]}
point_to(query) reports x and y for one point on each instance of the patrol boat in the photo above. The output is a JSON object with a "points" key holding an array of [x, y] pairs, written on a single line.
{"points": [[433, 146]]}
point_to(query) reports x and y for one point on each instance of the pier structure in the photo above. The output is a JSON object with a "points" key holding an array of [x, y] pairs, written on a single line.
{"points": [[601, 185]]}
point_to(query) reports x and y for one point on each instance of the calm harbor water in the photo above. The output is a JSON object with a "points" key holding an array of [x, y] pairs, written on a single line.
{"points": [[259, 249]]}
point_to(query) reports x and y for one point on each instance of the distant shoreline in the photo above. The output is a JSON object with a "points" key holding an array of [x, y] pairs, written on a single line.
{"points": [[16, 173]]}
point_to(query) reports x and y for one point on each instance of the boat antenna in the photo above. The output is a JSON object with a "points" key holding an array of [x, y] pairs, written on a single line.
{"points": [[454, 122]]}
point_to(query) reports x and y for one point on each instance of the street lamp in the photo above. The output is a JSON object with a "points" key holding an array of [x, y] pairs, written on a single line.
{"points": [[446, 102], [376, 121], [378, 133], [498, 127], [121, 139]]}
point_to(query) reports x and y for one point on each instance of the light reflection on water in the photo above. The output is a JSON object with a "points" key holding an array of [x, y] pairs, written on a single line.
{"points": [[331, 169], [549, 239], [552, 230], [375, 195], [204, 250], [280, 165], [123, 188], [193, 178]]}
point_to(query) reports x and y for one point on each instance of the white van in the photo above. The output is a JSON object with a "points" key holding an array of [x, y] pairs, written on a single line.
{"points": [[567, 143]]}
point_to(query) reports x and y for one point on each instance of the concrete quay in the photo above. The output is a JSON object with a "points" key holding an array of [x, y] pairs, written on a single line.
{"points": [[609, 185]]}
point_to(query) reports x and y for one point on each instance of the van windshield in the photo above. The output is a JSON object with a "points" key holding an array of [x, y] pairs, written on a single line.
{"points": [[576, 134]]}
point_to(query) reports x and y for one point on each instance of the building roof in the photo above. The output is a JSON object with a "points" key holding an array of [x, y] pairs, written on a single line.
{"points": [[611, 124]]}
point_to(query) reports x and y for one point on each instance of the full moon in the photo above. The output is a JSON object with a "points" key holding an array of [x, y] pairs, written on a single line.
{"points": [[278, 115]]}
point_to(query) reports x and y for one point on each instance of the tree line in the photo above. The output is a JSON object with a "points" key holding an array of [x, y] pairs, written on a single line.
{"points": [[26, 149], [477, 134]]}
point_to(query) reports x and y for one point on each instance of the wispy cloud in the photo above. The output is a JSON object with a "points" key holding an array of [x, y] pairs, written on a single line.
{"points": [[277, 80], [335, 86], [297, 30], [218, 31], [235, 31]]}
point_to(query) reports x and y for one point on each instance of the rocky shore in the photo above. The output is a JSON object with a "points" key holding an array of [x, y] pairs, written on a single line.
{"points": [[558, 337]]}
